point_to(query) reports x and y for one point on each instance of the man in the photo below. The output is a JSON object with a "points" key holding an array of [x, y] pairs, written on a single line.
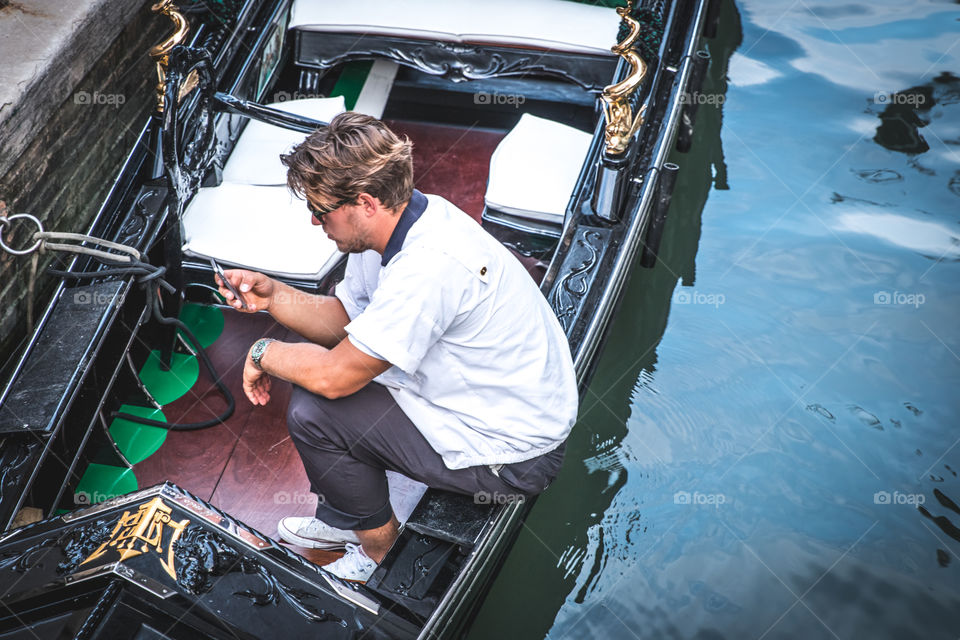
{"points": [[438, 357]]}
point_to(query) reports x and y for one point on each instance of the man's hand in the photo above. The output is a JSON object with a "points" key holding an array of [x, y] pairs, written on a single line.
{"points": [[257, 291], [256, 383]]}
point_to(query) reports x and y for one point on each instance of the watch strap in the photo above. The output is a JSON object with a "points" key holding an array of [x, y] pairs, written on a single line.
{"points": [[259, 348]]}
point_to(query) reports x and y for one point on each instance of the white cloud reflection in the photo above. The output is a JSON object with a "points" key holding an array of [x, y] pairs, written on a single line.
{"points": [[926, 238], [874, 47], [744, 71]]}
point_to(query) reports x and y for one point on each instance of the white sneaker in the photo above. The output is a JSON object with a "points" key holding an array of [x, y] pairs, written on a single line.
{"points": [[314, 534], [354, 565]]}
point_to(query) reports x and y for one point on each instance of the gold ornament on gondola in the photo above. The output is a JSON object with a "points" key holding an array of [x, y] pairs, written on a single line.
{"points": [[149, 528], [161, 52], [622, 123]]}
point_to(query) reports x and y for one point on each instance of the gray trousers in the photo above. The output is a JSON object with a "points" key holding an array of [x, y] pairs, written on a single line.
{"points": [[348, 444]]}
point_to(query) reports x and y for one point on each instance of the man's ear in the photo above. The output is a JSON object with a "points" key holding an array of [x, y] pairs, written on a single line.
{"points": [[369, 203]]}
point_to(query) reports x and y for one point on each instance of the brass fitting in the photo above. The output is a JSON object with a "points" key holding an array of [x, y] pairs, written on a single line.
{"points": [[161, 52], [622, 123]]}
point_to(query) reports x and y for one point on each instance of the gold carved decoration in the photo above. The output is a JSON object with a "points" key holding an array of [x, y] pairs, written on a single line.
{"points": [[161, 52], [143, 531], [622, 123]]}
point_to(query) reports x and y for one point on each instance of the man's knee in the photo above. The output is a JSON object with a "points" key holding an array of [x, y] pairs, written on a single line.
{"points": [[307, 418]]}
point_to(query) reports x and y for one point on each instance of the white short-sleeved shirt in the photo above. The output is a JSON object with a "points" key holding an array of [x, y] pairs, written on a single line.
{"points": [[481, 364]]}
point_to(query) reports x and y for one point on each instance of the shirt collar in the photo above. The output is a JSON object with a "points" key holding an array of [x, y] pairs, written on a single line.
{"points": [[411, 213]]}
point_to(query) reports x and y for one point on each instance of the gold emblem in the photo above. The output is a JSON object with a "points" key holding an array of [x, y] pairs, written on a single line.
{"points": [[161, 52], [143, 531], [622, 123]]}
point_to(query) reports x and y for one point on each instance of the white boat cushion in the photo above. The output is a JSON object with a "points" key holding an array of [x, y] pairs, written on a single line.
{"points": [[535, 167], [546, 24], [256, 157], [262, 228]]}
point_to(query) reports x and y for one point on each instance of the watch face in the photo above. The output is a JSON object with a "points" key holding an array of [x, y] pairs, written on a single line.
{"points": [[258, 350]]}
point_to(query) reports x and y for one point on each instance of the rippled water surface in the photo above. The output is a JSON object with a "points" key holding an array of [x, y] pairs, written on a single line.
{"points": [[769, 448]]}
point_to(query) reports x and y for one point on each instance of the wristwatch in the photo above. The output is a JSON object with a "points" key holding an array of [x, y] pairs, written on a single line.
{"points": [[259, 348]]}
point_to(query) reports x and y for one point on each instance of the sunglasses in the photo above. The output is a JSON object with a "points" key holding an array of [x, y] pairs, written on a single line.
{"points": [[318, 212]]}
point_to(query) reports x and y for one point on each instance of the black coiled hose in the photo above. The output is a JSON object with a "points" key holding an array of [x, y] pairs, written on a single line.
{"points": [[149, 277]]}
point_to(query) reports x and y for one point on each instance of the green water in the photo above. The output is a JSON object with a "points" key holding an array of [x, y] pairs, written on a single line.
{"points": [[770, 446]]}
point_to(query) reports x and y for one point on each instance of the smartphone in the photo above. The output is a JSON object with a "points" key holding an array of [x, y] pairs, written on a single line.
{"points": [[236, 294]]}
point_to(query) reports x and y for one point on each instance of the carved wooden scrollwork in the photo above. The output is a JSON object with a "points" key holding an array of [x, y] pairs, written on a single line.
{"points": [[202, 555], [455, 61], [573, 285]]}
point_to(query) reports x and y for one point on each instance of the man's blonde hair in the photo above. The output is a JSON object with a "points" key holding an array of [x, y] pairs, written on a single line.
{"points": [[355, 153]]}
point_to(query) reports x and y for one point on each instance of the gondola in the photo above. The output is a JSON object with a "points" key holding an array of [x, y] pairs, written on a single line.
{"points": [[548, 121]]}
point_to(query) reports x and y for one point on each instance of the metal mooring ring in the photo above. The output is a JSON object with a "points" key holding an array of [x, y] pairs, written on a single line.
{"points": [[22, 252]]}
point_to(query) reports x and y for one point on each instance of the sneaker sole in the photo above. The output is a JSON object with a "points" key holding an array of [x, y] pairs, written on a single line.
{"points": [[310, 543], [355, 580]]}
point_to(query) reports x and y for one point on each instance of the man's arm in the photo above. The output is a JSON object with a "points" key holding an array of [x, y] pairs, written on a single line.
{"points": [[319, 319], [332, 373]]}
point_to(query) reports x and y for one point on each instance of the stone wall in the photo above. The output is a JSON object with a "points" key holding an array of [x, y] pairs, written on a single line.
{"points": [[64, 139]]}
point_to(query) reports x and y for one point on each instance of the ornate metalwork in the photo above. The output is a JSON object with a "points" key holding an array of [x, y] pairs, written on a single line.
{"points": [[573, 286], [135, 224], [454, 61], [15, 468], [161, 52], [79, 543], [462, 62], [202, 554], [276, 590], [188, 146], [622, 123], [22, 561]]}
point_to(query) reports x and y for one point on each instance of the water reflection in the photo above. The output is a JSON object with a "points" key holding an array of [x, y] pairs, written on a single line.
{"points": [[780, 462], [908, 111], [930, 239]]}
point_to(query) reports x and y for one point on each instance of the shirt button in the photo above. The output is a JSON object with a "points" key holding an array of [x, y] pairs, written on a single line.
{"points": [[483, 271]]}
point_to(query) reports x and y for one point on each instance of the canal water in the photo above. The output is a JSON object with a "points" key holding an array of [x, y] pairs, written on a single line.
{"points": [[770, 445]]}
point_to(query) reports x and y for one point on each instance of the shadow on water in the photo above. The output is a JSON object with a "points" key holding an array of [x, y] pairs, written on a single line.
{"points": [[908, 111], [905, 118], [572, 534]]}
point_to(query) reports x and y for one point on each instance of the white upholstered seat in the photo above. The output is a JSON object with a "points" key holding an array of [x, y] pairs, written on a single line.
{"points": [[534, 169], [251, 219], [557, 25], [262, 228], [256, 156]]}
